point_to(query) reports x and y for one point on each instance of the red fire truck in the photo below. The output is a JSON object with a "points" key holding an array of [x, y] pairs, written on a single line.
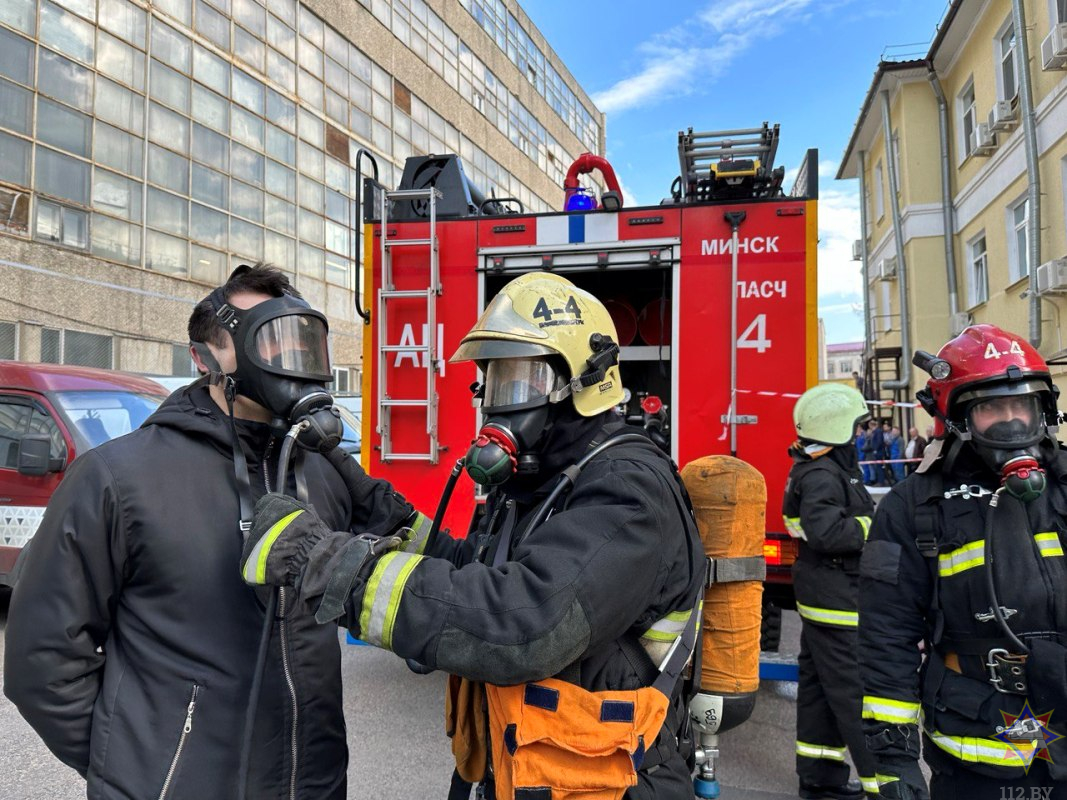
{"points": [[708, 369]]}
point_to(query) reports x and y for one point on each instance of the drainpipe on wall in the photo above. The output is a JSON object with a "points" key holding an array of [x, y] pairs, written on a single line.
{"points": [[946, 198], [904, 381], [864, 256], [1033, 174]]}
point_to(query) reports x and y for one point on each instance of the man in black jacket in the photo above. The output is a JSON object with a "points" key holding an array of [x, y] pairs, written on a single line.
{"points": [[828, 509], [594, 595], [967, 557], [131, 645]]}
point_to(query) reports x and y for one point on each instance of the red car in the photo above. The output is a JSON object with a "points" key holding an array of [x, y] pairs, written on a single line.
{"points": [[49, 415]]}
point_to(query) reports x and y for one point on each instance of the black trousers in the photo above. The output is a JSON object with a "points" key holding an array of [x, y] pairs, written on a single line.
{"points": [[963, 784], [829, 707]]}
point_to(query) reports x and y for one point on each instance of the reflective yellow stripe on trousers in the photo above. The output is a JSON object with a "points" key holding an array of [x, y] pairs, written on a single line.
{"points": [[885, 709], [829, 616], [809, 750]]}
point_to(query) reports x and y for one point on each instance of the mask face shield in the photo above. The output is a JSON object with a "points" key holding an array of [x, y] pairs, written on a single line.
{"points": [[294, 345], [1006, 423], [516, 383]]}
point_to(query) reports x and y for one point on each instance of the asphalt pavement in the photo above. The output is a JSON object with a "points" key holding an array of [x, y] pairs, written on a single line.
{"points": [[398, 747]]}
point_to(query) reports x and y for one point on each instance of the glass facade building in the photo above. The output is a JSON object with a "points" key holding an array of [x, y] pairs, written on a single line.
{"points": [[183, 137]]}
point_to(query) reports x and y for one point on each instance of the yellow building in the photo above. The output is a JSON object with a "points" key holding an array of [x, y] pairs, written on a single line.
{"points": [[963, 212]]}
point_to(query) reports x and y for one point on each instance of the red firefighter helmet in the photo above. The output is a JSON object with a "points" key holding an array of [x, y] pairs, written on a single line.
{"points": [[982, 362]]}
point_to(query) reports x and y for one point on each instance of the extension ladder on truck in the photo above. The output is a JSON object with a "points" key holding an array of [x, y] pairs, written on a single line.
{"points": [[389, 294]]}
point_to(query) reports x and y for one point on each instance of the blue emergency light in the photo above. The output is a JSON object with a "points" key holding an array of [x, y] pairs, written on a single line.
{"points": [[581, 199]]}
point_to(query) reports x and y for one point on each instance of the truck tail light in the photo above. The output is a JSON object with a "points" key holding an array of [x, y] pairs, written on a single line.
{"points": [[772, 552]]}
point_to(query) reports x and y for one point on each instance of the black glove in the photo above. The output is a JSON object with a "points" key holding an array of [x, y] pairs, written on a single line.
{"points": [[284, 532], [290, 546], [906, 779]]}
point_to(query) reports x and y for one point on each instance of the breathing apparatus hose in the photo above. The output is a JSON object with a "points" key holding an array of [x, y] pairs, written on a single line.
{"points": [[269, 612], [442, 506], [990, 582]]}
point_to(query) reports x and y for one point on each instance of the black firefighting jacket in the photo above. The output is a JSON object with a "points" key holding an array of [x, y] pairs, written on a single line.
{"points": [[826, 507], [940, 597], [617, 557], [132, 639]]}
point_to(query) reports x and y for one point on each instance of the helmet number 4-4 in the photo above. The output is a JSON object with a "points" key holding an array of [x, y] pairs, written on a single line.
{"points": [[992, 352], [544, 312], [755, 335]]}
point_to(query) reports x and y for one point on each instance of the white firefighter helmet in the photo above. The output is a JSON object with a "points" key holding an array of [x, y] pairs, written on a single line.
{"points": [[544, 314], [828, 414]]}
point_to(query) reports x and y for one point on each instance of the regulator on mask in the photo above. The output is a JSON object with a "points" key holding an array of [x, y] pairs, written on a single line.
{"points": [[516, 402], [1006, 432], [283, 364]]}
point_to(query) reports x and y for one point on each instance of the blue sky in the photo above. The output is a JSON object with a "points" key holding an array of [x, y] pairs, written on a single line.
{"points": [[659, 67]]}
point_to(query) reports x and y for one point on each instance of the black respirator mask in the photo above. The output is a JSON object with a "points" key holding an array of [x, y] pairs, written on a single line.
{"points": [[516, 400], [283, 364], [1007, 432]]}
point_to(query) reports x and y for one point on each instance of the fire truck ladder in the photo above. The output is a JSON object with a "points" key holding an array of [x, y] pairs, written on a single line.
{"points": [[428, 350], [727, 155]]}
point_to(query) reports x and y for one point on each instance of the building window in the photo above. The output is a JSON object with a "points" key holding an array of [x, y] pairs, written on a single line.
{"points": [[977, 272], [1019, 240], [14, 211], [1006, 55], [968, 120], [829, 368], [8, 340], [87, 349], [62, 225], [844, 365], [341, 378], [879, 192], [1058, 12], [181, 363]]}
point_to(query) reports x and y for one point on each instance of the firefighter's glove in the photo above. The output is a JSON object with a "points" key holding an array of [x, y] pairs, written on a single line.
{"points": [[900, 778], [284, 532], [290, 546]]}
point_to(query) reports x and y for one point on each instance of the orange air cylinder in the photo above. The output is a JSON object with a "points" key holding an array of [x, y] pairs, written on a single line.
{"points": [[729, 498]]}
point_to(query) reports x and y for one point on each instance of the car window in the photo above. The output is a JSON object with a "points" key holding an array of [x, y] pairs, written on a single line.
{"points": [[100, 416]]}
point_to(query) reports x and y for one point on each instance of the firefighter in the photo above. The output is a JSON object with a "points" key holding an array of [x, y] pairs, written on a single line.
{"points": [[827, 508], [560, 609], [966, 558]]}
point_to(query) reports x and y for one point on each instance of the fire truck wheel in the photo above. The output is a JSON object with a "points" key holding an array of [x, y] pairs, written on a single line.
{"points": [[770, 633]]}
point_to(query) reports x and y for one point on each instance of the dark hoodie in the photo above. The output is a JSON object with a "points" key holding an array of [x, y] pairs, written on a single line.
{"points": [[131, 624]]}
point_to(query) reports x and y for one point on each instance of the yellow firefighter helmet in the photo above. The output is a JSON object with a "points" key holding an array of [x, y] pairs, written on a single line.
{"points": [[543, 314]]}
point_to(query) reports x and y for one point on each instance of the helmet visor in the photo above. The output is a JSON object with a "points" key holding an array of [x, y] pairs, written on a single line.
{"points": [[519, 382], [295, 344], [1006, 422]]}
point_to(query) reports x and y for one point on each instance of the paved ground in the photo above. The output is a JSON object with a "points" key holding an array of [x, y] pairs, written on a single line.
{"points": [[399, 750]]}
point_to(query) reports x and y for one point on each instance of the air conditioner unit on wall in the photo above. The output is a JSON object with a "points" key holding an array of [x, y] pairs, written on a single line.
{"points": [[1054, 48], [1002, 117], [986, 140], [959, 321], [857, 250], [887, 269], [1052, 276]]}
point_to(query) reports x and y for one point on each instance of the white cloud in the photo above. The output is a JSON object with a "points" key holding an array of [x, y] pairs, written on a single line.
{"points": [[840, 281], [683, 59]]}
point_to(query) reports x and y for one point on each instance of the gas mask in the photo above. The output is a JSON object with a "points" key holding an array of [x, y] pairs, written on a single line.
{"points": [[516, 402], [1006, 432], [283, 364]]}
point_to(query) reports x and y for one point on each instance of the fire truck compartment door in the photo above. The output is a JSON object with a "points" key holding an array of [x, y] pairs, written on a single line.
{"points": [[585, 257]]}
